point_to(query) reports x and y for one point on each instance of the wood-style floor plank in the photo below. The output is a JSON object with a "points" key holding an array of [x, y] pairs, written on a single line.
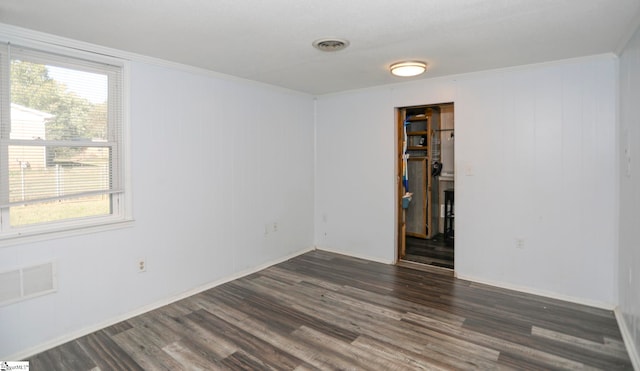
{"points": [[324, 311], [105, 353]]}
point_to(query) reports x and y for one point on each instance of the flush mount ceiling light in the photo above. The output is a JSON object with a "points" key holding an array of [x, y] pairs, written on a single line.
{"points": [[408, 68], [330, 45]]}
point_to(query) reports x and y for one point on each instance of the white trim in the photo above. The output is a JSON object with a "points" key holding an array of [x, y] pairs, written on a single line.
{"points": [[628, 339], [30, 38], [114, 192], [527, 67], [59, 143], [359, 256], [126, 199], [60, 49], [508, 286], [37, 47], [147, 308], [476, 74], [70, 231], [529, 290]]}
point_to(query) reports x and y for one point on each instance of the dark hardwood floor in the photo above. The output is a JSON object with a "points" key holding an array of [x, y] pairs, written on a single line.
{"points": [[327, 311], [437, 251]]}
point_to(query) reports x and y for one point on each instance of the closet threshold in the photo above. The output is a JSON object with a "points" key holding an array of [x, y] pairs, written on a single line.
{"points": [[425, 267]]}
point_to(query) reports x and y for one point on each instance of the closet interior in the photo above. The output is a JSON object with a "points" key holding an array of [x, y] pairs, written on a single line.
{"points": [[426, 189]]}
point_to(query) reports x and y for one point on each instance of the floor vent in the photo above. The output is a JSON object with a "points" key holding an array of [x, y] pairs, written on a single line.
{"points": [[27, 282]]}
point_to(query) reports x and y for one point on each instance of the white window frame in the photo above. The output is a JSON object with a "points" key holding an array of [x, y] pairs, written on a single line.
{"points": [[121, 215]]}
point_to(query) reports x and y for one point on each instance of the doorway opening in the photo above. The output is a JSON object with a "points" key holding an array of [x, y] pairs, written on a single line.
{"points": [[426, 187]]}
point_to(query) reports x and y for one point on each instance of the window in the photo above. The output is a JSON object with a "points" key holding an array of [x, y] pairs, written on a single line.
{"points": [[61, 142]]}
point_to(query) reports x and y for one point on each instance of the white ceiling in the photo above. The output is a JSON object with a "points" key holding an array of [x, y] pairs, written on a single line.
{"points": [[270, 41]]}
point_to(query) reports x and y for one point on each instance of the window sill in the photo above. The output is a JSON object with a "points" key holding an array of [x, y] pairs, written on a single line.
{"points": [[70, 231]]}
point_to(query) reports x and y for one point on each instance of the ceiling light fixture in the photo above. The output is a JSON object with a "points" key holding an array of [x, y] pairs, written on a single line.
{"points": [[408, 68]]}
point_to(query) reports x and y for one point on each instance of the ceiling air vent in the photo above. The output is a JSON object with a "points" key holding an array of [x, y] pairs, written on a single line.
{"points": [[330, 45]]}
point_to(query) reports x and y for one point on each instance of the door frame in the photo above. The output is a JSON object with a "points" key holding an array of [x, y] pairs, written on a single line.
{"points": [[400, 247]]}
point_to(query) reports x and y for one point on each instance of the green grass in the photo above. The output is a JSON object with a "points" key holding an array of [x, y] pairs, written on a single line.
{"points": [[58, 182], [60, 210]]}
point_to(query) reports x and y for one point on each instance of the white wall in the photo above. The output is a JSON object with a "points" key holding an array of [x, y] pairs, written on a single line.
{"points": [[536, 154], [629, 254], [535, 159], [213, 161], [354, 174]]}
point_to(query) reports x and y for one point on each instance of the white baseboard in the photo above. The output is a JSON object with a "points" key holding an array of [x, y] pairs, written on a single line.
{"points": [[548, 294], [524, 289], [628, 339], [147, 308]]}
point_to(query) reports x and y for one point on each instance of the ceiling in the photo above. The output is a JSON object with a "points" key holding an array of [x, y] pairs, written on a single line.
{"points": [[270, 41]]}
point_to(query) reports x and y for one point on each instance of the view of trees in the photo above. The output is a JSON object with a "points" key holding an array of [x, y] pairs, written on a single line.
{"points": [[74, 118], [76, 101]]}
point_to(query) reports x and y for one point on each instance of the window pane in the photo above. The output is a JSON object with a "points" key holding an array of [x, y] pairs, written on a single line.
{"points": [[55, 103], [60, 210], [60, 139], [40, 172]]}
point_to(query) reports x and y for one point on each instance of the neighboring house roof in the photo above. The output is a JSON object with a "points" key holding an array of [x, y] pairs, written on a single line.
{"points": [[16, 108]]}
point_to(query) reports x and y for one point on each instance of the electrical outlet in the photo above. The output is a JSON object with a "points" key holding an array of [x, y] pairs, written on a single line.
{"points": [[275, 226], [142, 265], [519, 243]]}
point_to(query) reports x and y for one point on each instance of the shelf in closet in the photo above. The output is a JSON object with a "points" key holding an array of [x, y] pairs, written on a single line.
{"points": [[417, 133], [417, 118]]}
